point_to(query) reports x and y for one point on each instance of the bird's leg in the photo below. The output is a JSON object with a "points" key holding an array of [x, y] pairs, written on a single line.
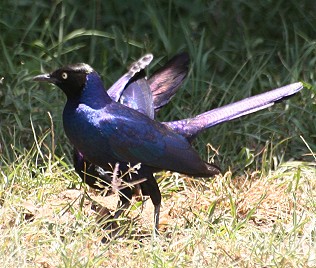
{"points": [[125, 193], [150, 187], [125, 201], [156, 217], [125, 197]]}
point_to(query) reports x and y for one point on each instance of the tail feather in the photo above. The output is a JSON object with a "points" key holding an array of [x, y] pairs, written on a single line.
{"points": [[192, 126]]}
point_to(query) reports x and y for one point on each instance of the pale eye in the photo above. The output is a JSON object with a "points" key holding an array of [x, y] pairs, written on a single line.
{"points": [[64, 75]]}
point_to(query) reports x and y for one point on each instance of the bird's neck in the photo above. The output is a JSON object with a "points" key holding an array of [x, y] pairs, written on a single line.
{"points": [[93, 94]]}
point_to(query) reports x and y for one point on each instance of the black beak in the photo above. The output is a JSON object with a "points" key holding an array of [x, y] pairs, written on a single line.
{"points": [[45, 78]]}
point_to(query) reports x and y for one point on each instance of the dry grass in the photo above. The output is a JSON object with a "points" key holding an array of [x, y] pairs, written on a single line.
{"points": [[248, 221]]}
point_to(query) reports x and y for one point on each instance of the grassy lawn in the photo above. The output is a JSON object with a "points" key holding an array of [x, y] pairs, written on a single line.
{"points": [[261, 212]]}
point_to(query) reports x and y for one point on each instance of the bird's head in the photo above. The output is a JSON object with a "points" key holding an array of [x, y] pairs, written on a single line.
{"points": [[71, 78]]}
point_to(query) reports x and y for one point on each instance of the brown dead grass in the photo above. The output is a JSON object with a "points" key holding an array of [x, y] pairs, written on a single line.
{"points": [[270, 199], [58, 220]]}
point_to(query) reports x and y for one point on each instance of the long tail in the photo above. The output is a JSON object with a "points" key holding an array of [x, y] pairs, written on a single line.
{"points": [[192, 126]]}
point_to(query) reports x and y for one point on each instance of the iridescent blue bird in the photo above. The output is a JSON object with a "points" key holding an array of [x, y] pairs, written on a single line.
{"points": [[105, 131], [146, 96]]}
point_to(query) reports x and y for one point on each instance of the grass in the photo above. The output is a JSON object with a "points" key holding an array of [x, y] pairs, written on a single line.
{"points": [[259, 213]]}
